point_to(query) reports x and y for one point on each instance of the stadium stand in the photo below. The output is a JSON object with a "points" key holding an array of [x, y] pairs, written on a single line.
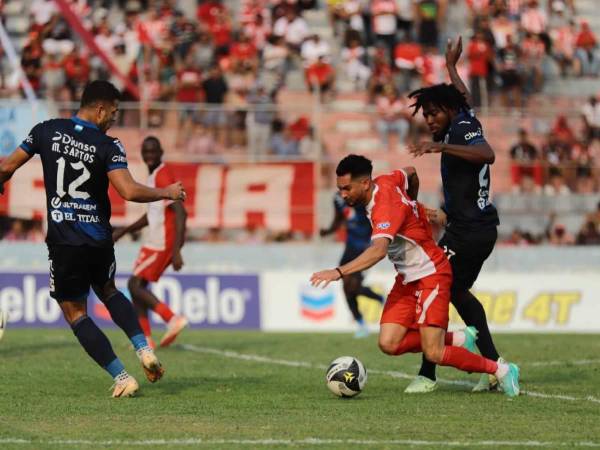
{"points": [[270, 80]]}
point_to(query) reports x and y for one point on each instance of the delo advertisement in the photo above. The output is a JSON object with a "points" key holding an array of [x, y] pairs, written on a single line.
{"points": [[207, 300]]}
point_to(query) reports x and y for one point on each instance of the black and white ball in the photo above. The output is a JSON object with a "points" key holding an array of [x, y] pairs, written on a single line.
{"points": [[346, 376]]}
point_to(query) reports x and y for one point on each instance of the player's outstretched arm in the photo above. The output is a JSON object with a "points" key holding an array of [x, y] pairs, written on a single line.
{"points": [[135, 226], [453, 52], [10, 164], [133, 191], [180, 221], [371, 256], [476, 154]]}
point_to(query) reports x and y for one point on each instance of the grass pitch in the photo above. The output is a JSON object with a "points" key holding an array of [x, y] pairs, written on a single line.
{"points": [[253, 390]]}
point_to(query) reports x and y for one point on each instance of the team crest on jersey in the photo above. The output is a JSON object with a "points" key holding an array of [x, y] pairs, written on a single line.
{"points": [[119, 146], [383, 225]]}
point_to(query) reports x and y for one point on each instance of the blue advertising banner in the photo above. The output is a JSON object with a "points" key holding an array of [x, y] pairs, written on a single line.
{"points": [[207, 300], [16, 120]]}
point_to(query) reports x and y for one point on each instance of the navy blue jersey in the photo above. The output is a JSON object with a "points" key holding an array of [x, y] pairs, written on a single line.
{"points": [[76, 157], [358, 227], [467, 185]]}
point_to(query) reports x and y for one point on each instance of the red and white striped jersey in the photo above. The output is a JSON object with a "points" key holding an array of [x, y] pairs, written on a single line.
{"points": [[403, 221], [160, 234]]}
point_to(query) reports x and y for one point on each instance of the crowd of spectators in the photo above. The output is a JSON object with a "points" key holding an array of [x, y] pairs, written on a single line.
{"points": [[564, 160], [556, 233]]}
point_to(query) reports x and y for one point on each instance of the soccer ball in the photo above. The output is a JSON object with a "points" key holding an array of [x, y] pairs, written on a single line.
{"points": [[346, 376], [3, 322]]}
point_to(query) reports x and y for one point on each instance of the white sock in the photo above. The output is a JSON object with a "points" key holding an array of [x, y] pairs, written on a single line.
{"points": [[501, 370], [458, 338], [123, 375]]}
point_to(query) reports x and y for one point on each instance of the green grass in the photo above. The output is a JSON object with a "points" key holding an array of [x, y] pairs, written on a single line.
{"points": [[51, 391]]}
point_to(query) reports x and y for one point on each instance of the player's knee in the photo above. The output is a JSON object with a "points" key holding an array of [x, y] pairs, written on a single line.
{"points": [[134, 284], [389, 346], [434, 353]]}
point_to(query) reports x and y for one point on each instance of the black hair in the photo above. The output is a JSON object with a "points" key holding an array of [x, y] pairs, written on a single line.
{"points": [[355, 165], [99, 91], [444, 96], [152, 139]]}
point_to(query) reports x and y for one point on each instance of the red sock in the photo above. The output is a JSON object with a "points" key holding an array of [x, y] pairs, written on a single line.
{"points": [[448, 338], [411, 343], [465, 360], [145, 325], [163, 311]]}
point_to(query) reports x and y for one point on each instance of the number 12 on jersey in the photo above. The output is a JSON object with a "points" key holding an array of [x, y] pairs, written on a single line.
{"points": [[72, 188]]}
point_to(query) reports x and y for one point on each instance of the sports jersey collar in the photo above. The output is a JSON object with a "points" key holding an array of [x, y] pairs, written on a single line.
{"points": [[85, 123], [372, 201]]}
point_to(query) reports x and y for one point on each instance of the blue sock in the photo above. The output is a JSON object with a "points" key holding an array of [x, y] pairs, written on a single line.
{"points": [[94, 342], [115, 368], [122, 313], [139, 341]]}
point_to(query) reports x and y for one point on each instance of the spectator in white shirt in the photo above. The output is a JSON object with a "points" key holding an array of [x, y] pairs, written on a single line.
{"points": [[314, 48], [293, 28], [591, 119]]}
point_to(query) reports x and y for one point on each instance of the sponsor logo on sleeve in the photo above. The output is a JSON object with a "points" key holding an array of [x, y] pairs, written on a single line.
{"points": [[383, 226]]}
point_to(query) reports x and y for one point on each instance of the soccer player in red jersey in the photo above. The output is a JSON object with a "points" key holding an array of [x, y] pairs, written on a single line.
{"points": [[415, 315], [161, 248]]}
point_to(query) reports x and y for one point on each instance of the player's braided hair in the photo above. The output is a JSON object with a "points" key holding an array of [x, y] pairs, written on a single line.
{"points": [[355, 165], [444, 96]]}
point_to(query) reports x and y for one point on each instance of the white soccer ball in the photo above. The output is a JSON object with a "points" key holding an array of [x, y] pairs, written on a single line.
{"points": [[3, 322], [346, 376]]}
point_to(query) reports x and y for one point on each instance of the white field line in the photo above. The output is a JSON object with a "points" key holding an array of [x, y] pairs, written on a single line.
{"points": [[391, 373], [294, 442], [577, 362]]}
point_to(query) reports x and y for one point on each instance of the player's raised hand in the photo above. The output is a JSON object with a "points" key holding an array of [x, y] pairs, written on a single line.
{"points": [[323, 278], [453, 51], [420, 148], [176, 191]]}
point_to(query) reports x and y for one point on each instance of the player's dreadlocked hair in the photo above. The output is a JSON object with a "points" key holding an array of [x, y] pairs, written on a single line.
{"points": [[355, 165], [444, 96]]}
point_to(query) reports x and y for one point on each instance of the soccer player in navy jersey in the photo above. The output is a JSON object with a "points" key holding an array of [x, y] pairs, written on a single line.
{"points": [[79, 161], [358, 238], [468, 216]]}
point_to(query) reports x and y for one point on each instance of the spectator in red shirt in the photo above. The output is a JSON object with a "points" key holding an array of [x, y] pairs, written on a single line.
{"points": [[525, 161], [243, 53], [188, 94], [587, 51], [479, 54], [77, 71], [208, 11], [320, 75]]}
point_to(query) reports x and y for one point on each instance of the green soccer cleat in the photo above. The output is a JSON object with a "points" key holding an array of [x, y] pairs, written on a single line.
{"points": [[510, 381], [470, 338], [488, 383], [421, 385]]}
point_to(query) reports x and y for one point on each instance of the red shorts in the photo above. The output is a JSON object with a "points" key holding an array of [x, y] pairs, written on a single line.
{"points": [[424, 302], [151, 264]]}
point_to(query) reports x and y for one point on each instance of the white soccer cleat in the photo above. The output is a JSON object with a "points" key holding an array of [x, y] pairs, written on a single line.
{"points": [[125, 386], [421, 385], [151, 365], [174, 327], [3, 322]]}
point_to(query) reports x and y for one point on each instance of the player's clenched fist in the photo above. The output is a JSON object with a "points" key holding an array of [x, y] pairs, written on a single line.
{"points": [[176, 191]]}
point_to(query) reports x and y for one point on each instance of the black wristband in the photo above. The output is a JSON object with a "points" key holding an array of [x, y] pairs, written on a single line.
{"points": [[340, 272]]}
